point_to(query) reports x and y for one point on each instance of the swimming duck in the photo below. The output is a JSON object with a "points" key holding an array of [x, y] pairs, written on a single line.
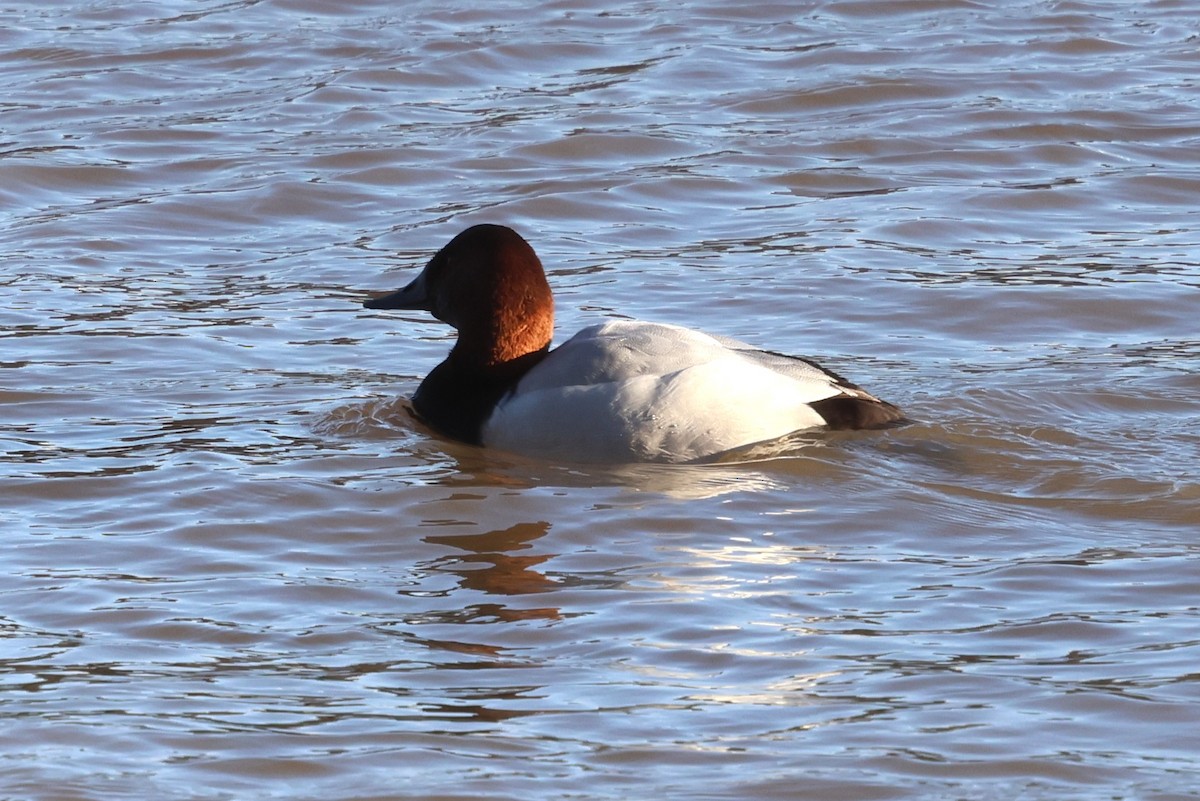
{"points": [[620, 391]]}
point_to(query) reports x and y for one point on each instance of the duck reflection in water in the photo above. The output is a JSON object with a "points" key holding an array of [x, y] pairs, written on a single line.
{"points": [[487, 565]]}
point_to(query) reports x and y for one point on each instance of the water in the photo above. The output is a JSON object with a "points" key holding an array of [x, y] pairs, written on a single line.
{"points": [[236, 569]]}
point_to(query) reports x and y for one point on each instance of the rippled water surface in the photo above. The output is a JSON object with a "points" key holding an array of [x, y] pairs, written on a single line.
{"points": [[235, 568]]}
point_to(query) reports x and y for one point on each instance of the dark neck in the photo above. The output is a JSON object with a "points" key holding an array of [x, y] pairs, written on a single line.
{"points": [[458, 396]]}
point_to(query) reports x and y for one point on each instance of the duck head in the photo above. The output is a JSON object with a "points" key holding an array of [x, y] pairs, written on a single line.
{"points": [[490, 286]]}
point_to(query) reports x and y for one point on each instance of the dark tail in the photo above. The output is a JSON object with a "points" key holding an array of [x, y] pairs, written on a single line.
{"points": [[848, 413]]}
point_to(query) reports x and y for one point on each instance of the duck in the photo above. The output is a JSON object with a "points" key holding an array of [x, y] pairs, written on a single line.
{"points": [[621, 391]]}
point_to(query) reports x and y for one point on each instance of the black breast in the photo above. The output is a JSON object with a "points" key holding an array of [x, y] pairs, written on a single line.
{"points": [[458, 402]]}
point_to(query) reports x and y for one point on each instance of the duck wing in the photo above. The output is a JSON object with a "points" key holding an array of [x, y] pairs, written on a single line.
{"points": [[851, 409]]}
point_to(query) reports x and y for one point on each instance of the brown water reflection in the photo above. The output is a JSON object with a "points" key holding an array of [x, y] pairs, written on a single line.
{"points": [[491, 567]]}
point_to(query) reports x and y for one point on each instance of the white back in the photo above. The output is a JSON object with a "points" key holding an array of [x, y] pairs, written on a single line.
{"points": [[633, 391]]}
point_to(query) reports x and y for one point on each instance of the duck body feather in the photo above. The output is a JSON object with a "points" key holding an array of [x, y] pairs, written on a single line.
{"points": [[628, 391]]}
